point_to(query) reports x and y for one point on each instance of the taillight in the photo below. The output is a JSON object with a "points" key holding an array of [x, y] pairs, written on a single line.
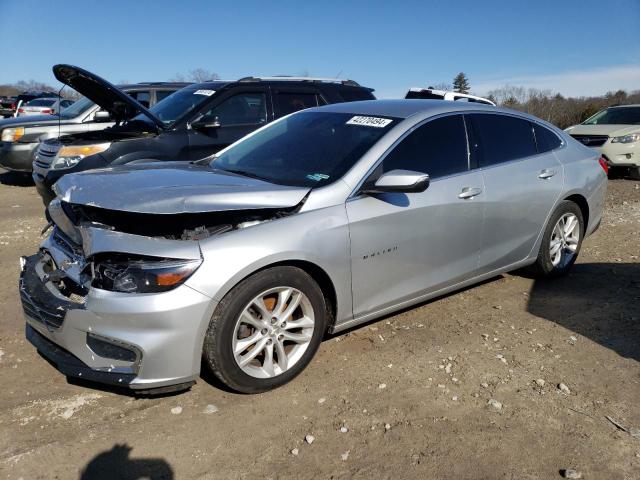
{"points": [[47, 110], [21, 110], [13, 106], [604, 165]]}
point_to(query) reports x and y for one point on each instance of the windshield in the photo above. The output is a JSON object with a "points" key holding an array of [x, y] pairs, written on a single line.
{"points": [[307, 149], [616, 116], [176, 105], [41, 102], [76, 108]]}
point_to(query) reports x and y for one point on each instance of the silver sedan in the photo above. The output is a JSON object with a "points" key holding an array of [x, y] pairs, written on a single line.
{"points": [[316, 223], [43, 106]]}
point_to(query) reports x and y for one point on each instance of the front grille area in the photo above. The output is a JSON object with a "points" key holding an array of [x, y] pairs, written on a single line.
{"points": [[43, 314], [45, 154], [591, 140], [40, 303]]}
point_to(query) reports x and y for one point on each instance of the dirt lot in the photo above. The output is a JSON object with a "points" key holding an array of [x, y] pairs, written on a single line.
{"points": [[411, 390]]}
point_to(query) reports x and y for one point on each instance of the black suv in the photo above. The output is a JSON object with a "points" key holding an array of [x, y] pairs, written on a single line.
{"points": [[191, 124]]}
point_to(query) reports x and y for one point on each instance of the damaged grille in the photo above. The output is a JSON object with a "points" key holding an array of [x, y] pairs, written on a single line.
{"points": [[39, 302]]}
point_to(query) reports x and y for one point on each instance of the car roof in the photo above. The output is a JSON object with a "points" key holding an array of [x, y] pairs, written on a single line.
{"points": [[406, 108], [134, 86]]}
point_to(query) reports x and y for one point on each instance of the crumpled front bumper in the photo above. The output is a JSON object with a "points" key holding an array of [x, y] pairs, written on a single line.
{"points": [[147, 342]]}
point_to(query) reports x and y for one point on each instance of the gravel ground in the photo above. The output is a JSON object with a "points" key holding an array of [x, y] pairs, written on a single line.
{"points": [[511, 379]]}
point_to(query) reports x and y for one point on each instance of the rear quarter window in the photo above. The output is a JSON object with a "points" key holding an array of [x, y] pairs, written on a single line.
{"points": [[503, 138], [546, 140]]}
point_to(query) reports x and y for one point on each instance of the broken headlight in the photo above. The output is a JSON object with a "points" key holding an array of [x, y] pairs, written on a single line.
{"points": [[142, 274]]}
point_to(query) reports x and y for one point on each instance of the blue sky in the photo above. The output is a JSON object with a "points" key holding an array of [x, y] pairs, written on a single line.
{"points": [[574, 47]]}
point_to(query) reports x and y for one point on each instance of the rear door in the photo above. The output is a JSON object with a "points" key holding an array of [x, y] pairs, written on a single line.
{"points": [[237, 113], [522, 185], [406, 245]]}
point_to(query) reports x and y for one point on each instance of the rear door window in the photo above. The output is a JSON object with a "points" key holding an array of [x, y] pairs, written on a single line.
{"points": [[438, 148], [503, 138], [289, 102], [546, 140], [143, 97]]}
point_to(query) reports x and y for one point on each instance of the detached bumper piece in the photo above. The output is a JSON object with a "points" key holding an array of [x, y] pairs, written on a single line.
{"points": [[70, 365]]}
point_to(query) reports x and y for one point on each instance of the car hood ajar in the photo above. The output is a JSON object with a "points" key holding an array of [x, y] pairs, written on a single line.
{"points": [[120, 105], [180, 188], [610, 130]]}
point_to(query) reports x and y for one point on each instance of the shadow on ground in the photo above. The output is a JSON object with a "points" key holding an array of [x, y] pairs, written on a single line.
{"points": [[16, 179], [600, 301], [115, 464]]}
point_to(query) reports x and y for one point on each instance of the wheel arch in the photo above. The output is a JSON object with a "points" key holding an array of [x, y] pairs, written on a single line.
{"points": [[582, 203], [317, 273]]}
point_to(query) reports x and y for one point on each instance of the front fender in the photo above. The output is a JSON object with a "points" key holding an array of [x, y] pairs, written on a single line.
{"points": [[320, 237]]}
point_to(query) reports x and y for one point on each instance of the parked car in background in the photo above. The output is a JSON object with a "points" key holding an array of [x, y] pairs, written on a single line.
{"points": [[193, 123], [20, 137], [433, 94], [7, 106], [43, 106], [615, 133], [321, 221]]}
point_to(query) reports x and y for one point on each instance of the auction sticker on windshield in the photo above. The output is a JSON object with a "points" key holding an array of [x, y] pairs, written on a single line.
{"points": [[369, 121], [208, 93]]}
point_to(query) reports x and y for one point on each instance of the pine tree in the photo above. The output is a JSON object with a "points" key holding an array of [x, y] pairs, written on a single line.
{"points": [[461, 83]]}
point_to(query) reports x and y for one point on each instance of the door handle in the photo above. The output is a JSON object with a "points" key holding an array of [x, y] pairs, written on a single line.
{"points": [[469, 192], [546, 173]]}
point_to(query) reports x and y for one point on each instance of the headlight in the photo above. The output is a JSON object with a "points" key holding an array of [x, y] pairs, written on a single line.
{"points": [[12, 134], [142, 274], [70, 156], [633, 137]]}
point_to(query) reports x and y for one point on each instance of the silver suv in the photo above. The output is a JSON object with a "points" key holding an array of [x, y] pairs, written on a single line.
{"points": [[21, 136], [320, 221]]}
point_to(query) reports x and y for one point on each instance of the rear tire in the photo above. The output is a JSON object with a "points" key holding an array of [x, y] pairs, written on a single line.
{"points": [[266, 330], [561, 241]]}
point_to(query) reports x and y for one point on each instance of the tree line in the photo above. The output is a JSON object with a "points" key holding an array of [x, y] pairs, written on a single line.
{"points": [[545, 104]]}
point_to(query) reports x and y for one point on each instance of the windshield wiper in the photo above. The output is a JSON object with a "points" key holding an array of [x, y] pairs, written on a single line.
{"points": [[245, 174]]}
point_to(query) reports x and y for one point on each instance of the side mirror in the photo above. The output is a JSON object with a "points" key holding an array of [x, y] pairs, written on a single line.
{"points": [[101, 116], [401, 181], [204, 124]]}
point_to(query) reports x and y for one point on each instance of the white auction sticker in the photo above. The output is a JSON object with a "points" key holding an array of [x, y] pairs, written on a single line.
{"points": [[208, 93], [369, 121]]}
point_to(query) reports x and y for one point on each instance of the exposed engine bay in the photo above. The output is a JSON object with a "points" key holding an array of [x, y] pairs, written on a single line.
{"points": [[178, 226]]}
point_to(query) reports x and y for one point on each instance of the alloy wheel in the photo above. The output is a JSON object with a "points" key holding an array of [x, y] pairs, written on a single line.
{"points": [[564, 240], [273, 332]]}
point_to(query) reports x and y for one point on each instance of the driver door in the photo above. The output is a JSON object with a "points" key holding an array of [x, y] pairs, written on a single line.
{"points": [[237, 114], [404, 245]]}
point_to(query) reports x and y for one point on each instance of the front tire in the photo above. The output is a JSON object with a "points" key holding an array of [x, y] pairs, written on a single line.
{"points": [[634, 173], [266, 330], [561, 241]]}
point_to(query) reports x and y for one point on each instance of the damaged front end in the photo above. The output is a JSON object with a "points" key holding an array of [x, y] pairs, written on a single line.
{"points": [[106, 297], [176, 226]]}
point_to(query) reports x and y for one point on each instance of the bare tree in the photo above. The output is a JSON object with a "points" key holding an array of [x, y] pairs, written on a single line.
{"points": [[197, 75]]}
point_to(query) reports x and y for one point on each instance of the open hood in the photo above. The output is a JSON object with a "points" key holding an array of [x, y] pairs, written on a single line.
{"points": [[175, 188], [120, 105]]}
